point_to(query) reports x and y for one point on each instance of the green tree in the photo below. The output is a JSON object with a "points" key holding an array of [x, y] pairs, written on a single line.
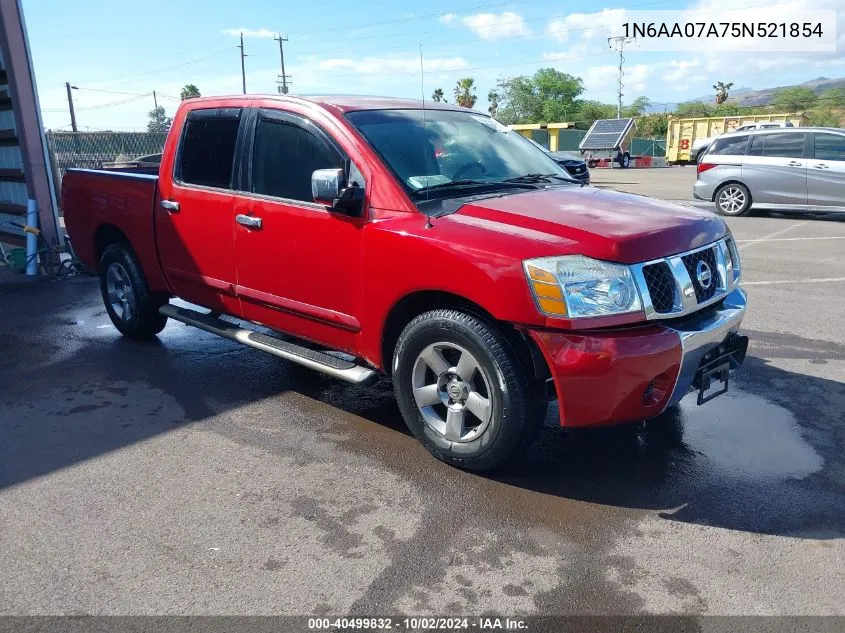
{"points": [[693, 109], [835, 97], [825, 116], [548, 96], [590, 111], [438, 96], [158, 120], [465, 92], [722, 91], [653, 125], [190, 91], [794, 99], [493, 98], [638, 107]]}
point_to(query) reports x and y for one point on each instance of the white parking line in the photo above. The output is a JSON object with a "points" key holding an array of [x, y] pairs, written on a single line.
{"points": [[792, 281], [771, 235], [794, 239]]}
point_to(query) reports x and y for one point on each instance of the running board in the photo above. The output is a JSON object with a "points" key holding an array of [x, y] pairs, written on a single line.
{"points": [[313, 359]]}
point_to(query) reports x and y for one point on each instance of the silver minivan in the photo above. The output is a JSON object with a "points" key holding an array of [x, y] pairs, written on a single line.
{"points": [[799, 169]]}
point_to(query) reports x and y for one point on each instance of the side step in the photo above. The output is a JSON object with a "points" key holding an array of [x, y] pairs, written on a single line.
{"points": [[313, 359]]}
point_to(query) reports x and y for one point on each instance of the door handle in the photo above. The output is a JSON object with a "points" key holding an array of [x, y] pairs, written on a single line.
{"points": [[171, 206], [820, 166], [795, 163], [249, 221]]}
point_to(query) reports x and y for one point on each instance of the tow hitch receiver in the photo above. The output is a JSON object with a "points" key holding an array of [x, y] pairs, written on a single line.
{"points": [[713, 373]]}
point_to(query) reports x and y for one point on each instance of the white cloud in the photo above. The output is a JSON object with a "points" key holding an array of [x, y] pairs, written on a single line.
{"points": [[602, 78], [585, 26], [392, 64], [251, 33], [679, 69], [490, 26]]}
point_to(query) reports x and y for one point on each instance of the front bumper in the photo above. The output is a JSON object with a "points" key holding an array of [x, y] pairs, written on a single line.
{"points": [[615, 376]]}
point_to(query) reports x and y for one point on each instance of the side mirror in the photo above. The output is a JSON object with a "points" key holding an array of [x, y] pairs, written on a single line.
{"points": [[328, 187]]}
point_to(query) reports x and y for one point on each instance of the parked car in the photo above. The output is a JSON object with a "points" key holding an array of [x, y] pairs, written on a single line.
{"points": [[573, 163], [786, 169], [433, 245], [699, 147]]}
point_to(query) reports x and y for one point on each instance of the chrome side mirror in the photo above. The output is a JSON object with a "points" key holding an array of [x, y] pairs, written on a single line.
{"points": [[326, 185], [329, 188]]}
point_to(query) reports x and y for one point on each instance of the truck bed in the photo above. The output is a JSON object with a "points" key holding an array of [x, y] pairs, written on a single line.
{"points": [[96, 203]]}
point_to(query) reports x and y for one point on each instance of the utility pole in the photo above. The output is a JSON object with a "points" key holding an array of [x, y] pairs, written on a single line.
{"points": [[70, 105], [619, 43], [155, 100], [243, 70], [283, 78]]}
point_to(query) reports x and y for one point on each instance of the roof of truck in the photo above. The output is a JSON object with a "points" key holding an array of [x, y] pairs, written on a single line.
{"points": [[345, 103]]}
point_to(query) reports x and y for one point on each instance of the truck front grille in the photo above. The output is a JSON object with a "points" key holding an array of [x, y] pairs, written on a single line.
{"points": [[661, 286], [675, 286], [707, 259]]}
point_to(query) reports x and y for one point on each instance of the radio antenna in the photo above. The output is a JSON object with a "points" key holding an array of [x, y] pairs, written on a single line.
{"points": [[428, 223]]}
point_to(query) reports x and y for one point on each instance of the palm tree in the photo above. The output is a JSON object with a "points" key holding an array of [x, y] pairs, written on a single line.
{"points": [[465, 92], [722, 91], [493, 97], [438, 96], [190, 91]]}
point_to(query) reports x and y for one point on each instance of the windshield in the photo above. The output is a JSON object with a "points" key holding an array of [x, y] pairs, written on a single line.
{"points": [[453, 149]]}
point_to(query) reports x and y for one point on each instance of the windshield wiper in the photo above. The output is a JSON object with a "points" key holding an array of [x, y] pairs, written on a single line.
{"points": [[469, 183], [537, 178]]}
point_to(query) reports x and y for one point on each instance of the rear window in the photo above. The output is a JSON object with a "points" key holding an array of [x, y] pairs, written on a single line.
{"points": [[731, 146], [829, 147], [784, 145], [207, 150]]}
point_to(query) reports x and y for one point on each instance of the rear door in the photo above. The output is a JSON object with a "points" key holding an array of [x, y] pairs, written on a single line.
{"points": [[195, 221], [826, 170], [775, 169]]}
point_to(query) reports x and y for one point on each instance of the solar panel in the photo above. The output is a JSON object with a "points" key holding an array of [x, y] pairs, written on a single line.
{"points": [[606, 134]]}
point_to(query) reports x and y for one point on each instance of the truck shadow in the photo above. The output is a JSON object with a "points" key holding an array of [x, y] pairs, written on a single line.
{"points": [[767, 458]]}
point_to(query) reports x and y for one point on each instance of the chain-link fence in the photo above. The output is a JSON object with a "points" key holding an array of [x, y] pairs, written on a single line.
{"points": [[92, 149]]}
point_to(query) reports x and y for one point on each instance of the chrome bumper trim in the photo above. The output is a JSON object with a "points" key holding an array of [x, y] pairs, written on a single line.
{"points": [[701, 334]]}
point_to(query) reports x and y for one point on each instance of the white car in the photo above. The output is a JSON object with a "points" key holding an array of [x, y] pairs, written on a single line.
{"points": [[699, 146]]}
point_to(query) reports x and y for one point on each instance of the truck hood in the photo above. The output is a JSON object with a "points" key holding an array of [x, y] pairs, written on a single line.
{"points": [[603, 224]]}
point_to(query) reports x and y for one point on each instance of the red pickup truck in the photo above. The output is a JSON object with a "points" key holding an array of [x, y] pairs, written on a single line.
{"points": [[363, 236]]}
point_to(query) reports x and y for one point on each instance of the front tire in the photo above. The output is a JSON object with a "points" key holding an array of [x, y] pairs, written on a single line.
{"points": [[732, 199], [462, 391], [131, 306]]}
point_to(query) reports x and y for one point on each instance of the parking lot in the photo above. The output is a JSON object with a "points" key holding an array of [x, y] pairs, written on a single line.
{"points": [[194, 476]]}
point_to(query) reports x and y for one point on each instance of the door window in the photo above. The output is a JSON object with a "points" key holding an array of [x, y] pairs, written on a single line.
{"points": [[284, 158], [730, 146], [207, 149], [784, 145], [829, 147]]}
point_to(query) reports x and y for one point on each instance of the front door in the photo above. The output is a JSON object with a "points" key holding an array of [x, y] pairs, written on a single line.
{"points": [[195, 222], [826, 170], [299, 264]]}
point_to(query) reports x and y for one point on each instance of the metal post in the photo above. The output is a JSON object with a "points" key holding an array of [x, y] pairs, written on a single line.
{"points": [[243, 69], [70, 105], [155, 100], [619, 42], [31, 238], [284, 78]]}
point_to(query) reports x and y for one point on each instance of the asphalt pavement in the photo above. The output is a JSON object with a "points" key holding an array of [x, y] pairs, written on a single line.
{"points": [[191, 475]]}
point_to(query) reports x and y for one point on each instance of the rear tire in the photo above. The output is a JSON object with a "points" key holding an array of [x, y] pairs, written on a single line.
{"points": [[732, 199], [624, 160], [131, 306], [462, 390]]}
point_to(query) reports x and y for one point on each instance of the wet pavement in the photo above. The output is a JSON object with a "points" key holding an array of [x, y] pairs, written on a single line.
{"points": [[191, 475]]}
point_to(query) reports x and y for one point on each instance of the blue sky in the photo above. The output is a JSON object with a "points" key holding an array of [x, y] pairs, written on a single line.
{"points": [[117, 53]]}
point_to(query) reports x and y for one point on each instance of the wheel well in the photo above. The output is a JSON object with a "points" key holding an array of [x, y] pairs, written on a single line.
{"points": [[105, 235], [733, 181], [410, 307]]}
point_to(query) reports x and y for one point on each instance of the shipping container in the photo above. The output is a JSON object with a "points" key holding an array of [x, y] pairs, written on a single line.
{"points": [[682, 134]]}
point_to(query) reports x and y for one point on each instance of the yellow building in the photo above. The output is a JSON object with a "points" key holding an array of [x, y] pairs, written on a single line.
{"points": [[546, 134]]}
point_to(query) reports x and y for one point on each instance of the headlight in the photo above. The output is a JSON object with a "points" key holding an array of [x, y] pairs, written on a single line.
{"points": [[574, 286]]}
